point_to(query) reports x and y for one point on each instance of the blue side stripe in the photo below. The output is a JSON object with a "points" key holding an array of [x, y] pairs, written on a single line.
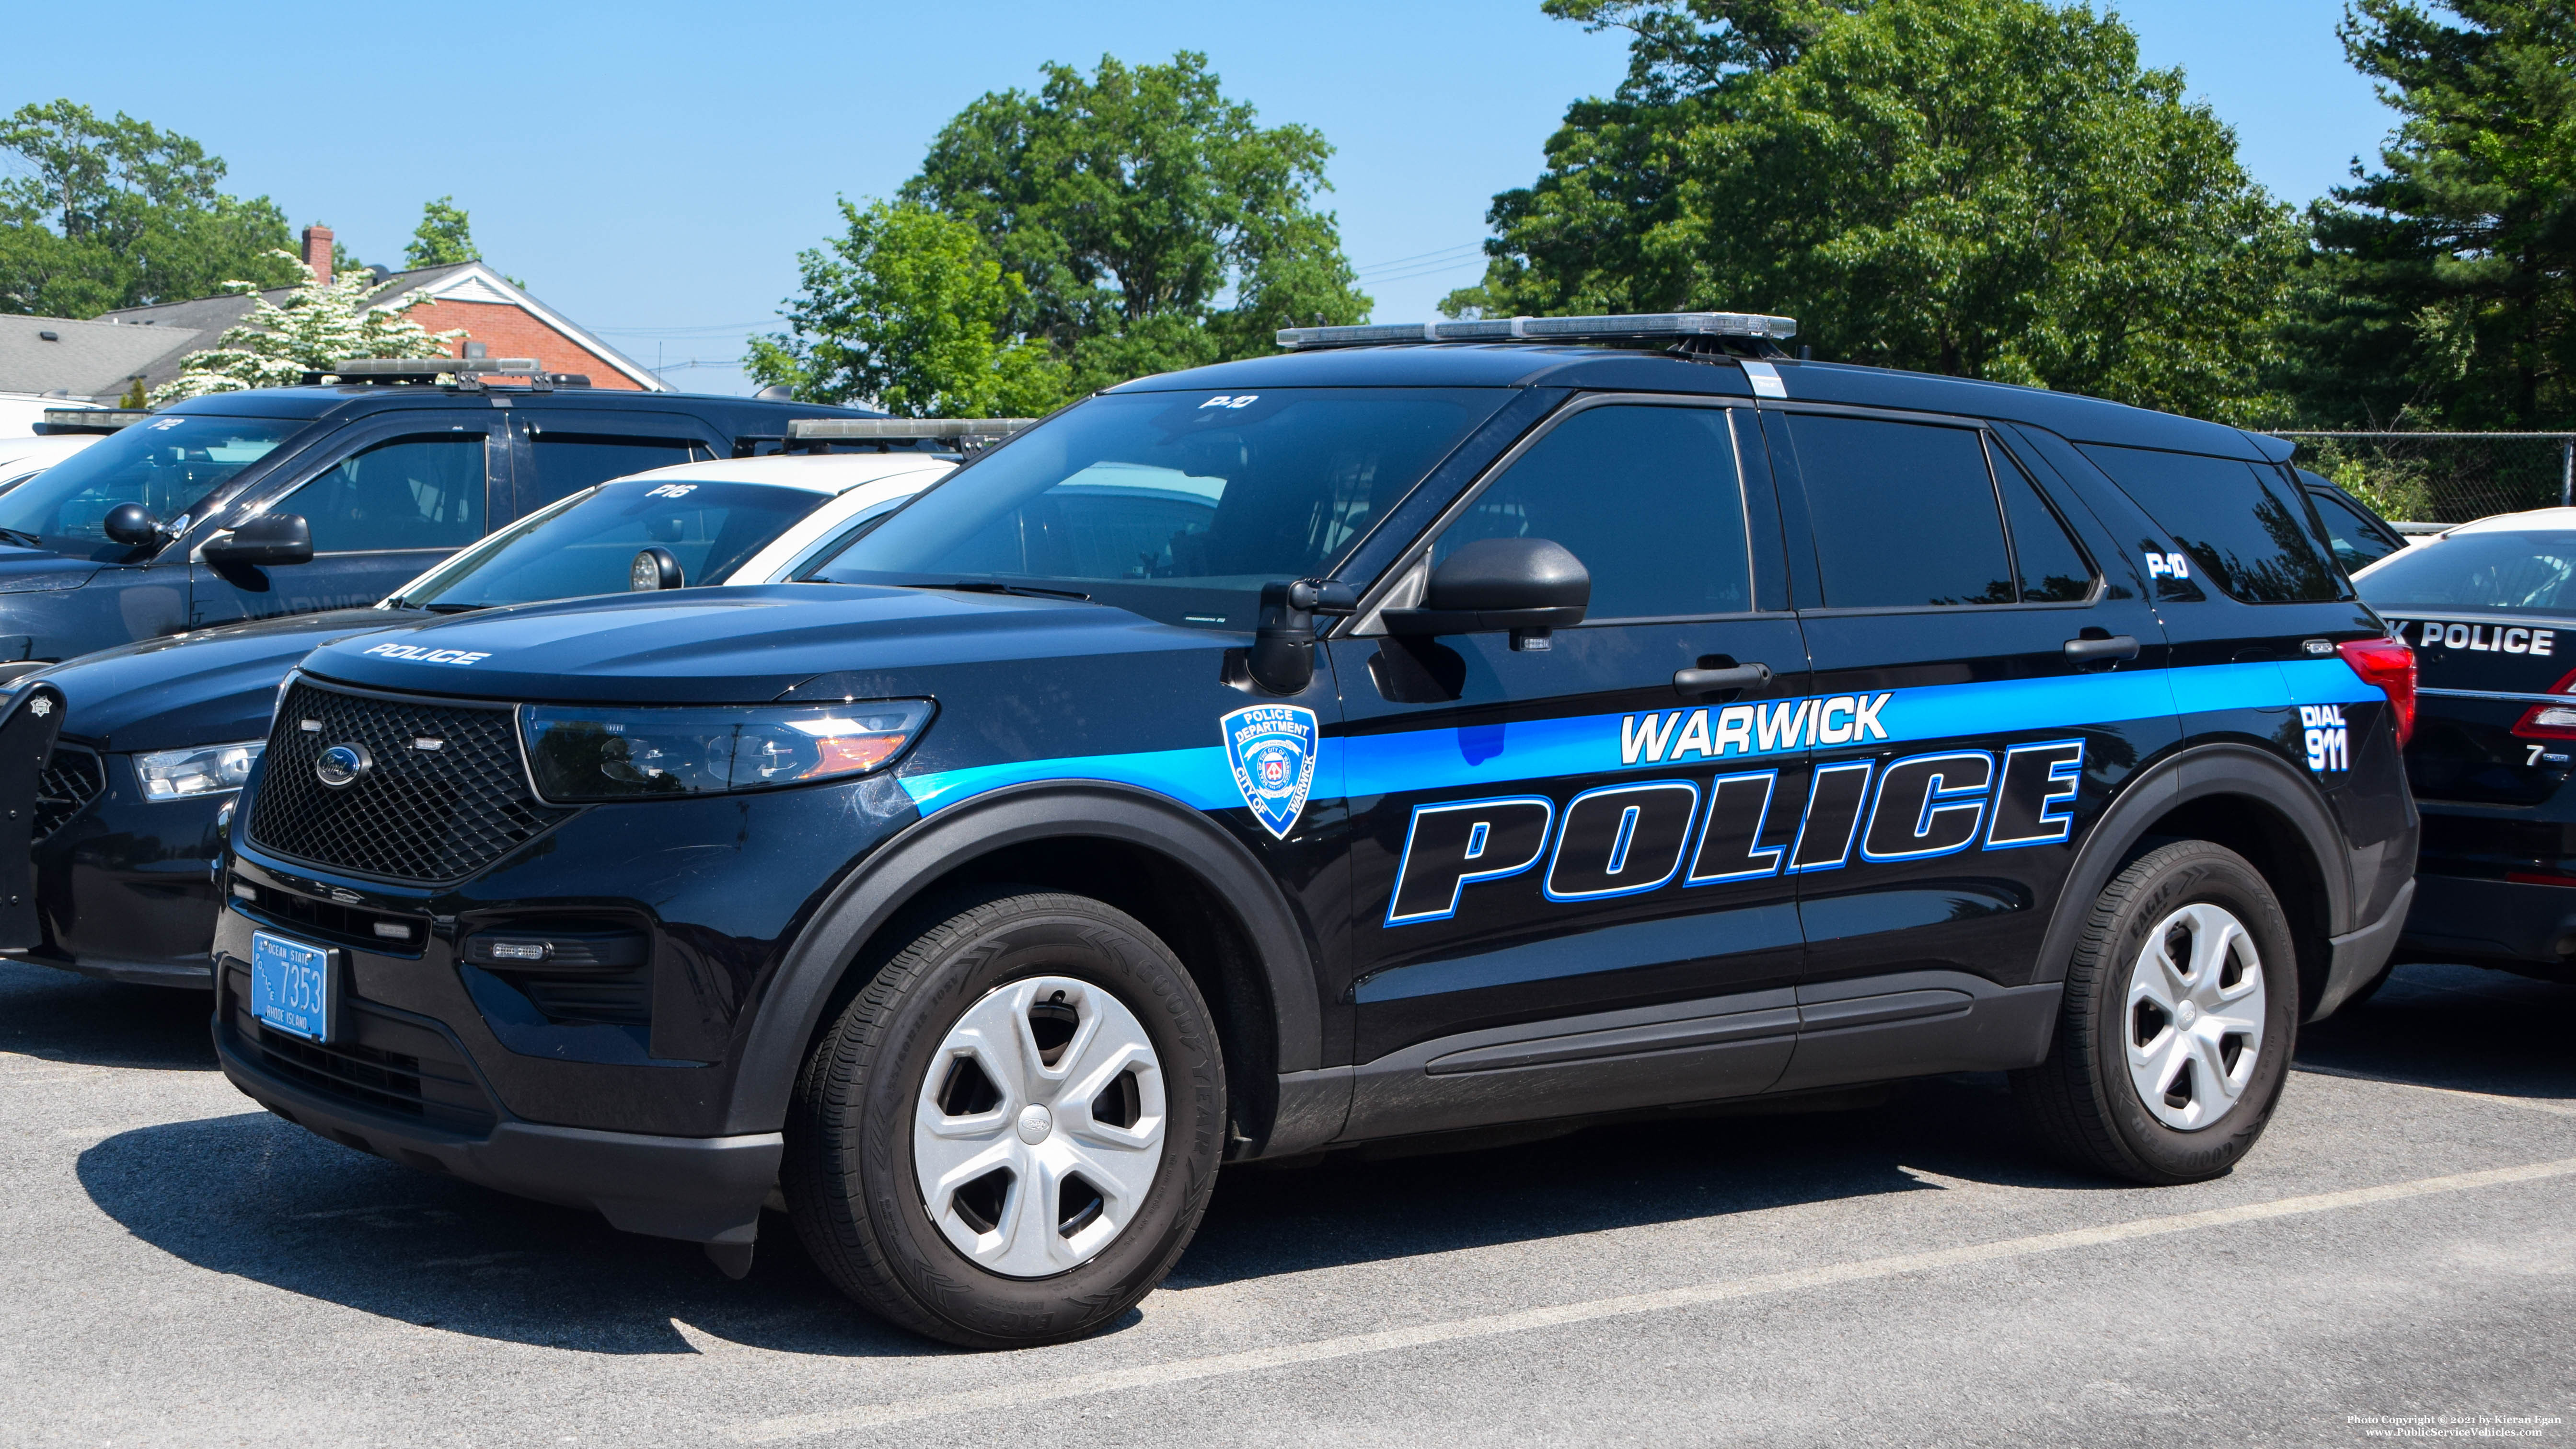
{"points": [[1363, 766]]}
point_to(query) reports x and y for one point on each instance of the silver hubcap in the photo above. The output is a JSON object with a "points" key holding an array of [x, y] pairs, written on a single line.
{"points": [[1039, 1127], [2195, 1016]]}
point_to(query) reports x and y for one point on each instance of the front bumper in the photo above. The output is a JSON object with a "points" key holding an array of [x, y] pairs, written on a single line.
{"points": [[698, 1189]]}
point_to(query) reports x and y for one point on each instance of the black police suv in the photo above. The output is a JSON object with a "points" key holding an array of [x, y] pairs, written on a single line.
{"points": [[131, 807], [1529, 731], [2490, 609], [245, 505]]}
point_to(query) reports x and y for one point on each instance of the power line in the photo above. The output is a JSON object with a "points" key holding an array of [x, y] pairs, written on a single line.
{"points": [[1444, 255]]}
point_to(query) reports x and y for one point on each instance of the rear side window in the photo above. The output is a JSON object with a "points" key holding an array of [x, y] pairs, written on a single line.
{"points": [[2242, 525], [2357, 541], [1646, 497], [569, 462], [2053, 567], [1903, 513]]}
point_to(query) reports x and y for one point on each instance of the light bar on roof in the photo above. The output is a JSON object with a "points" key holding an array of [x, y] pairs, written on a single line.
{"points": [[1550, 329], [430, 366], [896, 430]]}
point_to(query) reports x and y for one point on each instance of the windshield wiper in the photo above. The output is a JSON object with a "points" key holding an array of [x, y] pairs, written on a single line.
{"points": [[987, 586], [449, 608], [22, 537]]}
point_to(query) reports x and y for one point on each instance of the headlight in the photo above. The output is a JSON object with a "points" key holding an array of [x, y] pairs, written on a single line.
{"points": [[653, 753], [206, 770]]}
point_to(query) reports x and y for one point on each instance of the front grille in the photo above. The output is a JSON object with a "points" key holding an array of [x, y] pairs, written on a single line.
{"points": [[419, 814], [383, 1063], [73, 776]]}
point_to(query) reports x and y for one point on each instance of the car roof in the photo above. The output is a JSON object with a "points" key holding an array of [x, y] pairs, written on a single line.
{"points": [[2536, 520], [319, 402], [1452, 364], [820, 472]]}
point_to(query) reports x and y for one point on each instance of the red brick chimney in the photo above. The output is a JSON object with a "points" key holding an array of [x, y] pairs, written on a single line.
{"points": [[317, 252]]}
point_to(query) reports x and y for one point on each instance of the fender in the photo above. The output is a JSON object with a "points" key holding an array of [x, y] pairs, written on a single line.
{"points": [[903, 867], [2193, 773]]}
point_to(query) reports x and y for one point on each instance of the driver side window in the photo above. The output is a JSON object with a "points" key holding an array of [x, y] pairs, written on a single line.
{"points": [[424, 492]]}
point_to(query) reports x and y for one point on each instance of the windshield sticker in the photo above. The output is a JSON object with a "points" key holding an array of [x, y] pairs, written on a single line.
{"points": [[1271, 750], [419, 655], [1222, 400], [672, 490]]}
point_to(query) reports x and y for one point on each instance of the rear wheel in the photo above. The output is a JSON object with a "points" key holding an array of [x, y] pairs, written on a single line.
{"points": [[2175, 1033], [1010, 1134]]}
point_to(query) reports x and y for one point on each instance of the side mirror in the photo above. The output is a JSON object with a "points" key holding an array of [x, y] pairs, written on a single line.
{"points": [[1523, 585], [267, 540], [654, 568], [130, 523]]}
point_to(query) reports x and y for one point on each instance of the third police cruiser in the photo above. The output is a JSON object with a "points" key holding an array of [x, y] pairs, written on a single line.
{"points": [[1450, 727]]}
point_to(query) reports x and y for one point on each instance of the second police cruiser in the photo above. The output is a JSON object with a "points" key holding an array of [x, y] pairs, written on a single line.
{"points": [[1453, 726]]}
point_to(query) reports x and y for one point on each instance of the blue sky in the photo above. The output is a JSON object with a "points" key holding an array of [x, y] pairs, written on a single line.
{"points": [[653, 168]]}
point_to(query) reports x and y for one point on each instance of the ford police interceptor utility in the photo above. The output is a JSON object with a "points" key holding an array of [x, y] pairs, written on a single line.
{"points": [[1466, 725], [2490, 609]]}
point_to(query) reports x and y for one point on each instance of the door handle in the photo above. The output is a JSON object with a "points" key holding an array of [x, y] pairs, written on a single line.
{"points": [[2099, 651], [1718, 681]]}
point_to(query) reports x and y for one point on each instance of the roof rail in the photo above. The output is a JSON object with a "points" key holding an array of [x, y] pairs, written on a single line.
{"points": [[969, 435], [58, 421], [1633, 327]]}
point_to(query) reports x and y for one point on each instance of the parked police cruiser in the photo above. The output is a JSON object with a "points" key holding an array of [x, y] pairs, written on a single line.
{"points": [[1467, 727]]}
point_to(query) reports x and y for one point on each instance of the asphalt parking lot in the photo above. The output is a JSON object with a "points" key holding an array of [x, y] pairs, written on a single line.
{"points": [[179, 1267]]}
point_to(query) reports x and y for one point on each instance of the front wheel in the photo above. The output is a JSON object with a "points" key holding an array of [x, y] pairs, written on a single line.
{"points": [[1010, 1134], [2175, 1032]]}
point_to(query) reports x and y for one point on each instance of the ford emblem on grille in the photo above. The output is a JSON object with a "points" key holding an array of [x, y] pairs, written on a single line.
{"points": [[340, 766]]}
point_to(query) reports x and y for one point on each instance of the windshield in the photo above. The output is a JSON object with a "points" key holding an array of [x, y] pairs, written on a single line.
{"points": [[168, 464], [586, 544], [2514, 573], [1178, 506]]}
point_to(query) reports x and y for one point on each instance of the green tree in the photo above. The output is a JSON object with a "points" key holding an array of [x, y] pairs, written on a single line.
{"points": [[319, 324], [1154, 222], [110, 213], [1988, 188], [907, 309], [2443, 285], [444, 237]]}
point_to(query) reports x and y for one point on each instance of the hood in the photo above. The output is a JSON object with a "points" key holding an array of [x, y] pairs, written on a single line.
{"points": [[26, 569], [738, 645], [209, 687]]}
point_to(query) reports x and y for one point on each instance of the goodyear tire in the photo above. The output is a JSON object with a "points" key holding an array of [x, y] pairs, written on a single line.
{"points": [[1010, 1133], [2175, 1033]]}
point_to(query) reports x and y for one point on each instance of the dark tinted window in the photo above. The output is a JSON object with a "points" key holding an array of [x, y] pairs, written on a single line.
{"points": [[168, 464], [1646, 496], [2241, 524], [1904, 513], [410, 493], [587, 548], [1179, 506], [569, 462], [2053, 569], [2356, 538], [2517, 572]]}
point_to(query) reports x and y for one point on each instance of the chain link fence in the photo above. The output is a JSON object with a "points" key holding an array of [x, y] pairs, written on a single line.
{"points": [[2444, 477]]}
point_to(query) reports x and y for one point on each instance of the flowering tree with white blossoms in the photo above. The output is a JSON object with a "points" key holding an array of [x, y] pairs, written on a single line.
{"points": [[321, 323]]}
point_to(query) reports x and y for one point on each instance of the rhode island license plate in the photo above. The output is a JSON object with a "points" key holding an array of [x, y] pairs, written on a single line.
{"points": [[292, 986]]}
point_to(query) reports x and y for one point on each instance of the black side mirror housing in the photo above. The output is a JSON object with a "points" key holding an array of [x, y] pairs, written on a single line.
{"points": [[655, 568], [1282, 657], [130, 523], [1495, 585], [267, 540]]}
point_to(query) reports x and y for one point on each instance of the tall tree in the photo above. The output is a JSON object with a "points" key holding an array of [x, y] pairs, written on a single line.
{"points": [[444, 237], [319, 324], [112, 213], [1155, 223], [2443, 286], [1989, 188], [907, 310]]}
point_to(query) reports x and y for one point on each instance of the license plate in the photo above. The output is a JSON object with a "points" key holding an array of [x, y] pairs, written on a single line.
{"points": [[292, 986]]}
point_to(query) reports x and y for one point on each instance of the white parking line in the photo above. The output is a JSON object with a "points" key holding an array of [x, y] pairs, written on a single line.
{"points": [[2528, 1104], [1011, 1396]]}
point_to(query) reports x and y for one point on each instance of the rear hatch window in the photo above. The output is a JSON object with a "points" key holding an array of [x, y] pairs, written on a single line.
{"points": [[2488, 616], [2246, 529]]}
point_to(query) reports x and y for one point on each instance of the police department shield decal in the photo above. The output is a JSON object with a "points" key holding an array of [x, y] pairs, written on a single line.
{"points": [[1271, 748]]}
